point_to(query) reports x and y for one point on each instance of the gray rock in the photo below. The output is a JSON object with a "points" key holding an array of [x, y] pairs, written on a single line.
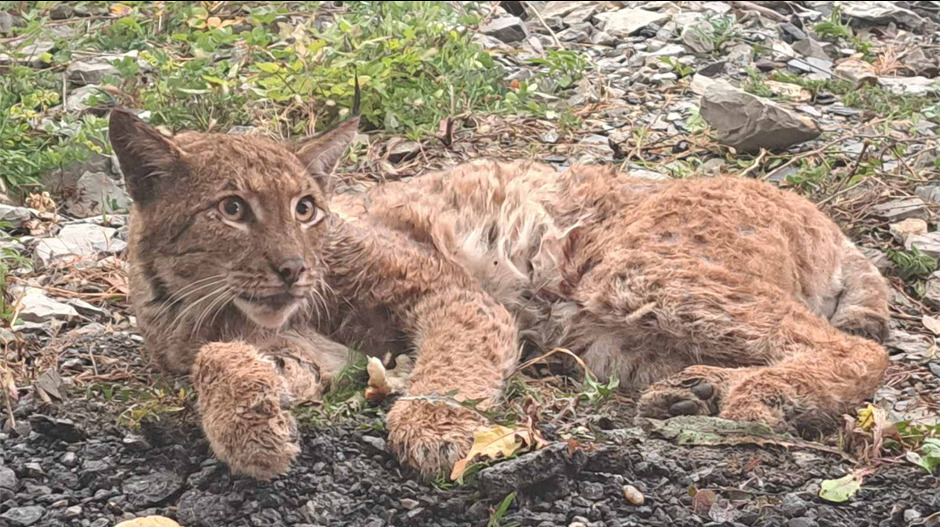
{"points": [[81, 99], [95, 69], [814, 67], [749, 123], [524, 471], [559, 9], [376, 442], [62, 11], [904, 229], [89, 311], [592, 491], [96, 194], [151, 489], [506, 29], [202, 508], [932, 291], [697, 38], [793, 505], [626, 22], [881, 13], [580, 32], [83, 73], [929, 193], [583, 13], [29, 54], [913, 86], [902, 209], [7, 478], [856, 70], [36, 307], [15, 216], [23, 516], [602, 38], [928, 244], [62, 429], [7, 23], [401, 149], [74, 242], [802, 522], [811, 48]]}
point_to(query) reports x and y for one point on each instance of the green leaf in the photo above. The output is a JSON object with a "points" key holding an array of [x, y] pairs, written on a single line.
{"points": [[840, 490], [929, 456], [268, 67]]}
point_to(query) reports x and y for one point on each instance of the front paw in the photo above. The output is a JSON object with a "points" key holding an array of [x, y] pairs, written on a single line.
{"points": [[696, 390], [431, 436], [241, 399]]}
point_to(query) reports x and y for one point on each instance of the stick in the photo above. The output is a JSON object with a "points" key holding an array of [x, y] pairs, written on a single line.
{"points": [[545, 25]]}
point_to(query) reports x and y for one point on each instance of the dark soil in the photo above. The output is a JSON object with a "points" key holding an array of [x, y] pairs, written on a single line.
{"points": [[72, 465]]}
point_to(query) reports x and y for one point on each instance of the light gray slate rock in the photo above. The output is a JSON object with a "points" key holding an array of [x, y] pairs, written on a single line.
{"points": [[74, 242], [35, 306], [748, 123], [96, 194], [625, 22]]}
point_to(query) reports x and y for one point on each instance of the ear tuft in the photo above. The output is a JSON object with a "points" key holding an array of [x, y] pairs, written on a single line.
{"points": [[146, 156], [321, 153]]}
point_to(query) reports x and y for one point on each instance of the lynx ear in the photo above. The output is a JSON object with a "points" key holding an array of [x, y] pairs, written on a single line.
{"points": [[147, 157], [321, 153]]}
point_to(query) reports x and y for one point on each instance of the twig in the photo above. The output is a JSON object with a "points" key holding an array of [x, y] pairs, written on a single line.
{"points": [[756, 164], [545, 25]]}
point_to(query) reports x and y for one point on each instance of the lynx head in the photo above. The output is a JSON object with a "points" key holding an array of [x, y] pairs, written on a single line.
{"points": [[223, 220]]}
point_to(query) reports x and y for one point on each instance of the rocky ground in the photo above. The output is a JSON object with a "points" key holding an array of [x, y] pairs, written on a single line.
{"points": [[843, 108]]}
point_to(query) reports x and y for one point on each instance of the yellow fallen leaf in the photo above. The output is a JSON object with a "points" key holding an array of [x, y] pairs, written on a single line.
{"points": [[149, 521], [119, 9], [492, 442], [869, 416], [213, 22]]}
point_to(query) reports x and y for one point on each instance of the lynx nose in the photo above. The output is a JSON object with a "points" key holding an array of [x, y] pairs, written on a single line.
{"points": [[291, 269]]}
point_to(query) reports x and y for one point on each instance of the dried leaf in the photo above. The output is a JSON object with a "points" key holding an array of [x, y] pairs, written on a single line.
{"points": [[213, 22], [933, 324], [492, 442], [378, 388], [842, 489], [119, 9], [702, 501]]}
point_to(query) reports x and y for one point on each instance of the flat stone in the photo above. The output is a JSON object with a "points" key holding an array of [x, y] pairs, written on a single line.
{"points": [[559, 9], [881, 13], [929, 193], [928, 244], [29, 54], [94, 70], [36, 307], [906, 228], [856, 70], [914, 86], [506, 29], [932, 291], [151, 489], [811, 48], [7, 478], [400, 149], [580, 32], [7, 23], [626, 22], [23, 516], [62, 429], [902, 209], [74, 242], [15, 216], [95, 194], [748, 123], [81, 99]]}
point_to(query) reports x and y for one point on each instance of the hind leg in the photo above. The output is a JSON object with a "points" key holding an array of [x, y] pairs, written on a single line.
{"points": [[863, 305], [757, 354]]}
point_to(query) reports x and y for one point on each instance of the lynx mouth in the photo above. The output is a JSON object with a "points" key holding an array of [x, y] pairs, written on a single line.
{"points": [[269, 311]]}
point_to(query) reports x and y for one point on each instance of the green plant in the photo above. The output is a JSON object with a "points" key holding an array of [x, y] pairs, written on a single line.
{"points": [[833, 29], [596, 392], [810, 177], [913, 264], [756, 84], [496, 518], [563, 68], [680, 69], [717, 30]]}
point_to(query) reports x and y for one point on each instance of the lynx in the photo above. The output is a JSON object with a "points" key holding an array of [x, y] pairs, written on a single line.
{"points": [[721, 296]]}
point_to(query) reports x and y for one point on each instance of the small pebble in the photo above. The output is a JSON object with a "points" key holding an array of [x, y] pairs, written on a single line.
{"points": [[633, 495]]}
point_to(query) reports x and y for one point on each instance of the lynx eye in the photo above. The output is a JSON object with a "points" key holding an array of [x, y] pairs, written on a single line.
{"points": [[233, 208], [307, 211]]}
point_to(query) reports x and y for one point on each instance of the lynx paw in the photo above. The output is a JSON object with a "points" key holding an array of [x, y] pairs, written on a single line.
{"points": [[241, 399], [431, 437], [696, 390]]}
